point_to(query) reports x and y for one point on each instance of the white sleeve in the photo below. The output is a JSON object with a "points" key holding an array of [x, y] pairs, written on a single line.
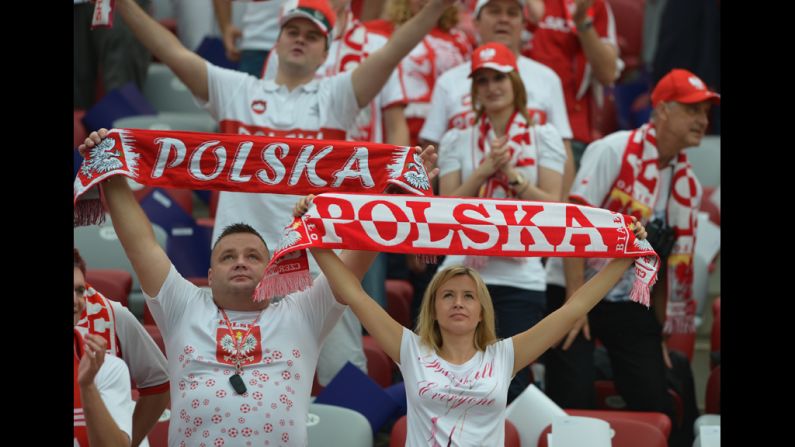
{"points": [[558, 116], [113, 383], [409, 342], [148, 366], [503, 353], [343, 107], [170, 305], [436, 120], [449, 152], [224, 85], [599, 169], [551, 153], [319, 307]]}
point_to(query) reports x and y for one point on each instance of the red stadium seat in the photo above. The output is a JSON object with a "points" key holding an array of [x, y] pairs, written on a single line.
{"points": [[712, 402], [714, 339], [628, 15], [628, 433], [114, 284], [379, 365], [399, 294], [606, 392], [684, 343], [398, 436]]}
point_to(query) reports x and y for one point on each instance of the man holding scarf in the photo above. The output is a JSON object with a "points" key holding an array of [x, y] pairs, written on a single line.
{"points": [[644, 173]]}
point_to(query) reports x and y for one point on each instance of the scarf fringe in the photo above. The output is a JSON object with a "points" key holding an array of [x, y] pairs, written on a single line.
{"points": [[89, 212], [428, 259], [281, 284], [640, 292]]}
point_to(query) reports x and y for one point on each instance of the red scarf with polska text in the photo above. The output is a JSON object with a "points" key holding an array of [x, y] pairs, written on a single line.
{"points": [[244, 163], [634, 193], [453, 225]]}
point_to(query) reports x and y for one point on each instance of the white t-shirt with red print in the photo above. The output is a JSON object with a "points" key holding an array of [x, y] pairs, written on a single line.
{"points": [[243, 104], [462, 405], [281, 353], [458, 151], [451, 106]]}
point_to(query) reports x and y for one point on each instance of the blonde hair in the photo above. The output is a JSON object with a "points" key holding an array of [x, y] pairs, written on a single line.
{"points": [[398, 12], [427, 326], [519, 97]]}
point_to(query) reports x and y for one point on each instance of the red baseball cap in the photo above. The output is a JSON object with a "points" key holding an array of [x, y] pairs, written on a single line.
{"points": [[493, 55], [682, 86], [318, 11]]}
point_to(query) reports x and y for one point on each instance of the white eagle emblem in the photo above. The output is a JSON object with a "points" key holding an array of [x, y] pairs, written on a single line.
{"points": [[416, 176], [101, 160], [290, 237], [246, 348]]}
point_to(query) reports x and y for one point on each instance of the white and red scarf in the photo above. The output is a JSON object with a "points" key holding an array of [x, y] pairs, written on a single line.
{"points": [[245, 163], [452, 225], [634, 193], [98, 318], [103, 14], [524, 155]]}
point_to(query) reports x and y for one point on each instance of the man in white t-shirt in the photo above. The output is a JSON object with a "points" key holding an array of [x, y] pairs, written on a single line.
{"points": [[129, 341], [451, 106], [241, 371], [103, 406]]}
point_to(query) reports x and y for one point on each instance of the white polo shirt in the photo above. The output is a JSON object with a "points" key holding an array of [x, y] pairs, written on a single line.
{"points": [[243, 104], [451, 106]]}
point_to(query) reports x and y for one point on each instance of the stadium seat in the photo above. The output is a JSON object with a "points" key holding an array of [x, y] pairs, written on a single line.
{"points": [[399, 294], [379, 365], [114, 284], [712, 401], [329, 425], [628, 433]]}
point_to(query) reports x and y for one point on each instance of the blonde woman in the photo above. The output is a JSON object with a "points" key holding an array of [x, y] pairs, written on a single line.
{"points": [[504, 155], [455, 369]]}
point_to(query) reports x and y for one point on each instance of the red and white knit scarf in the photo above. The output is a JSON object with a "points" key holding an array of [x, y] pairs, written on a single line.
{"points": [[245, 163], [98, 318], [524, 155], [634, 194], [451, 225]]}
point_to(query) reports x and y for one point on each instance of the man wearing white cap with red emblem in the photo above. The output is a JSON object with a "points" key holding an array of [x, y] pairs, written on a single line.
{"points": [[644, 173]]}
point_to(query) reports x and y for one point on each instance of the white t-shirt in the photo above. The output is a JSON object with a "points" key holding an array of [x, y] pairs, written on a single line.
{"points": [[368, 125], [451, 106], [146, 363], [260, 24], [457, 405], [282, 351], [458, 151], [243, 104], [599, 169]]}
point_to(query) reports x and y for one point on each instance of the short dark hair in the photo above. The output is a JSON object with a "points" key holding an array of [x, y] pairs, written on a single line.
{"points": [[239, 228], [79, 262]]}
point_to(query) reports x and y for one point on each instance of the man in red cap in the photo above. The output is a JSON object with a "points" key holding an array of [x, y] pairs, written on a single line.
{"points": [[644, 173]]}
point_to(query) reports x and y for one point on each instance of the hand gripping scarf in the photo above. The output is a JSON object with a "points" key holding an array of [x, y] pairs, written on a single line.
{"points": [[449, 225], [244, 163]]}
